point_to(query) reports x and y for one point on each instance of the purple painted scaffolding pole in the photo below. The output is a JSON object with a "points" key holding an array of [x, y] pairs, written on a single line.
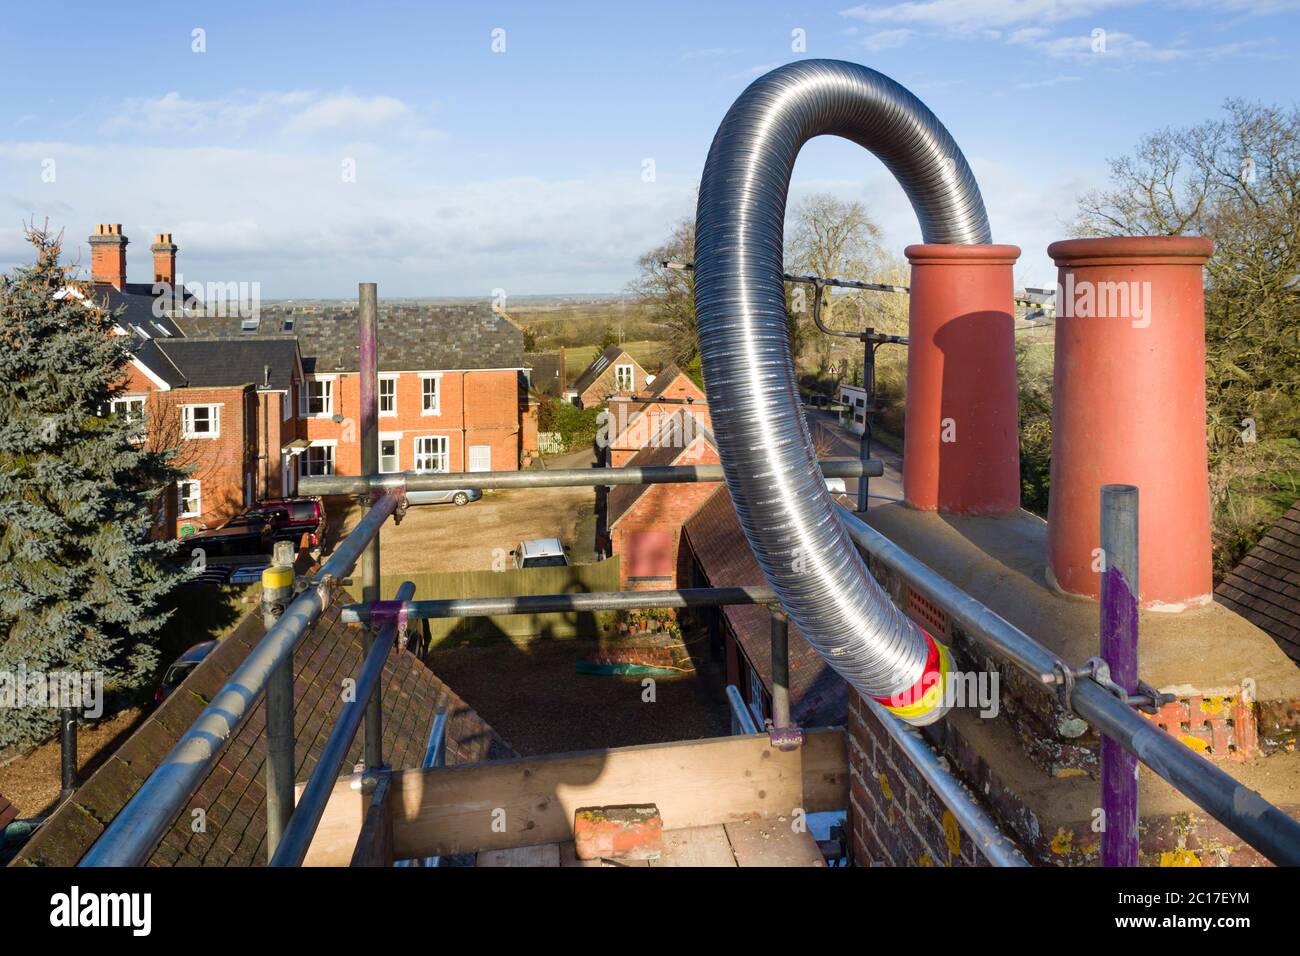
{"points": [[1119, 649]]}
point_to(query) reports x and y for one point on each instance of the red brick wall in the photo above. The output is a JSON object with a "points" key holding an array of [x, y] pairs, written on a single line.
{"points": [[477, 407], [663, 508], [222, 465], [636, 434]]}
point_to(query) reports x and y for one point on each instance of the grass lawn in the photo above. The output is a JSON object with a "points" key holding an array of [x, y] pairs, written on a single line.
{"points": [[649, 352]]}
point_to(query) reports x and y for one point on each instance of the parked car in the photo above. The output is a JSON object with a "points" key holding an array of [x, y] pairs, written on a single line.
{"points": [[181, 668], [289, 518], [454, 496], [540, 553], [255, 532]]}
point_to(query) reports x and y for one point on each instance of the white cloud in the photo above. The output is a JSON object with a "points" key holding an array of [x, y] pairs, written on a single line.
{"points": [[1099, 45], [260, 114], [282, 215], [974, 15], [346, 110], [888, 39], [1052, 81]]}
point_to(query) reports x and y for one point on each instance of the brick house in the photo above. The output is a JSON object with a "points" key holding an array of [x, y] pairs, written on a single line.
{"points": [[644, 522], [223, 406], [634, 419], [452, 389], [256, 401], [614, 372]]}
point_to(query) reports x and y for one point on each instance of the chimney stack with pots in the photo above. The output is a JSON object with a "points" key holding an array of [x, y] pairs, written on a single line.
{"points": [[108, 255]]}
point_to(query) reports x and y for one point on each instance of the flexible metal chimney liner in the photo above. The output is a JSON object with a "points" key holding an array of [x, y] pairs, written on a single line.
{"points": [[763, 440]]}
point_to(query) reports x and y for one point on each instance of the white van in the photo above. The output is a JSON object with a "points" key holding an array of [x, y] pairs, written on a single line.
{"points": [[540, 553]]}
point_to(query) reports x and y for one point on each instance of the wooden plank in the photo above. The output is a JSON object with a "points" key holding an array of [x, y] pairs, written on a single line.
{"points": [[336, 835], [773, 843], [545, 854], [375, 844], [528, 801], [569, 857], [696, 846]]}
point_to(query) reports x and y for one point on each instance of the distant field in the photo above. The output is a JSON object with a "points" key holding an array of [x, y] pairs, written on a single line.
{"points": [[575, 324], [648, 352]]}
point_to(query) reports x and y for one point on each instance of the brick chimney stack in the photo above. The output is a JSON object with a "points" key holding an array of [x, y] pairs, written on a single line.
{"points": [[164, 258], [108, 255]]}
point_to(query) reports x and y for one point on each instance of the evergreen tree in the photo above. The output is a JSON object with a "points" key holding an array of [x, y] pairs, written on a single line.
{"points": [[80, 579]]}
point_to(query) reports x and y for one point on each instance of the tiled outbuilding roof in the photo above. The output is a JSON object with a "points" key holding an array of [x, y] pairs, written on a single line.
{"points": [[547, 376], [818, 696], [233, 795], [1265, 587]]}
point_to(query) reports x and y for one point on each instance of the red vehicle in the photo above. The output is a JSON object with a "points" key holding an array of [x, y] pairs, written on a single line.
{"points": [[287, 518]]}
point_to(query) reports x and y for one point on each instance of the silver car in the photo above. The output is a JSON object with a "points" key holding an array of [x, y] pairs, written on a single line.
{"points": [[452, 496]]}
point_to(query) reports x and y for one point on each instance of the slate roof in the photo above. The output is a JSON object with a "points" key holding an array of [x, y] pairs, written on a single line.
{"points": [[667, 377], [411, 338], [547, 372], [211, 364], [233, 795], [136, 300], [1265, 587], [818, 696], [665, 449], [594, 370]]}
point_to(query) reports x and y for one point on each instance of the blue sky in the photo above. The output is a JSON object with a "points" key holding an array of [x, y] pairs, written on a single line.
{"points": [[523, 169]]}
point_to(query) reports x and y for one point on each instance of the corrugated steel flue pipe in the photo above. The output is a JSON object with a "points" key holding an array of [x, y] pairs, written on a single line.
{"points": [[763, 441]]}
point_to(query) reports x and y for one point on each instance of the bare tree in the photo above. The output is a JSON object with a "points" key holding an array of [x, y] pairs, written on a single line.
{"points": [[829, 236], [670, 293], [1237, 181]]}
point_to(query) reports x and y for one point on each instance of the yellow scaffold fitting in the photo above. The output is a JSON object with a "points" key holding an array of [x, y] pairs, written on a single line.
{"points": [[276, 577]]}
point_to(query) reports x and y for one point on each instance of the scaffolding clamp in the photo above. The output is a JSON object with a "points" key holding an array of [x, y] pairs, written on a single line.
{"points": [[785, 738], [1147, 699], [389, 612]]}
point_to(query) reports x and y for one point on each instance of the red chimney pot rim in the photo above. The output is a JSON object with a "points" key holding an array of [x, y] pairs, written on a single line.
{"points": [[1152, 250], [955, 253]]}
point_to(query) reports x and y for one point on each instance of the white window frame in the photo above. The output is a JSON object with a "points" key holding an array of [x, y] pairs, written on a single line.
{"points": [[392, 412], [327, 410], [436, 378], [630, 369], [128, 400], [396, 439], [469, 465], [286, 403], [421, 454], [304, 459], [214, 419], [181, 498]]}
